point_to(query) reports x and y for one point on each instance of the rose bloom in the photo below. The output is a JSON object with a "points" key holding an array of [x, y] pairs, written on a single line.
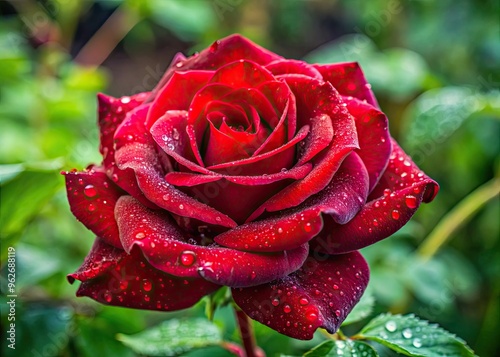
{"points": [[248, 170]]}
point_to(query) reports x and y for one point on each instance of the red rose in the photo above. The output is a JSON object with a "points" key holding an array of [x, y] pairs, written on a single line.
{"points": [[245, 169]]}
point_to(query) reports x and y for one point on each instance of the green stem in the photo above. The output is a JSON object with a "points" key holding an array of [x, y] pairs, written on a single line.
{"points": [[458, 217]]}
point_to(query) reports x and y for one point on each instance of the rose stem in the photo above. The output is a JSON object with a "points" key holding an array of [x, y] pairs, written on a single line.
{"points": [[246, 331]]}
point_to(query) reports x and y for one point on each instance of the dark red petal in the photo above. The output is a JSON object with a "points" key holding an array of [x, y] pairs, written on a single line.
{"points": [[177, 94], [112, 277], [112, 112], [189, 179], [286, 231], [166, 249], [374, 138], [222, 148], [349, 80], [391, 204], [222, 52], [287, 66], [242, 74], [143, 159], [170, 133], [320, 294], [92, 197], [315, 99], [341, 199]]}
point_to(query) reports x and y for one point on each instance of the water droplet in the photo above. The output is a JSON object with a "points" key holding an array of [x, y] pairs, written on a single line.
{"points": [[181, 206], [417, 343], [107, 296], [312, 316], [140, 235], [395, 214], [411, 201], [91, 207], [89, 191], [175, 134], [407, 333], [307, 227], [166, 197], [125, 100], [146, 298], [218, 219], [303, 301], [287, 309], [114, 177], [123, 284], [375, 223], [253, 275], [335, 287], [391, 326], [280, 230], [337, 313], [179, 64], [387, 192], [275, 302], [213, 48], [188, 258], [146, 285]]}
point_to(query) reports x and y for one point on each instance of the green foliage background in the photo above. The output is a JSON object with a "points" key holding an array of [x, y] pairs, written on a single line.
{"points": [[434, 66]]}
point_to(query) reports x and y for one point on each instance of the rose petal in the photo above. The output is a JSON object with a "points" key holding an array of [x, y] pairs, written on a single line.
{"points": [[143, 160], [320, 294], [349, 80], [177, 94], [112, 112], [112, 277], [166, 249], [170, 132], [374, 138], [315, 98], [220, 53], [286, 66], [342, 198], [189, 179], [242, 74], [392, 203], [92, 197]]}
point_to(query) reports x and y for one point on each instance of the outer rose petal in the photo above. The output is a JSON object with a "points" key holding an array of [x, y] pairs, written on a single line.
{"points": [[222, 52], [392, 203], [112, 112], [320, 294], [92, 197], [374, 138], [342, 199], [166, 249], [286, 66], [113, 277], [349, 80]]}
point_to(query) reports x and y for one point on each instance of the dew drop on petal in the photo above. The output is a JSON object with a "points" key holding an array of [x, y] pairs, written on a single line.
{"points": [[146, 285], [181, 206], [107, 296], [307, 227], [275, 302], [280, 230], [140, 235], [337, 313], [287, 309], [91, 207], [312, 316], [89, 191], [387, 192], [395, 214], [411, 201], [187, 258], [303, 301]]}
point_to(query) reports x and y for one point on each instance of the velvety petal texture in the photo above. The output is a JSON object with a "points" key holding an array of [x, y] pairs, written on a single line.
{"points": [[248, 170]]}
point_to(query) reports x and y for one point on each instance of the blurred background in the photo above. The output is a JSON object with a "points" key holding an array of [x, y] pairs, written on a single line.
{"points": [[434, 66]]}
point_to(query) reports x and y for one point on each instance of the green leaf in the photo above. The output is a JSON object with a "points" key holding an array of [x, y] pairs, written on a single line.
{"points": [[437, 114], [320, 350], [412, 336], [218, 299], [173, 337], [24, 192], [362, 309], [342, 348]]}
